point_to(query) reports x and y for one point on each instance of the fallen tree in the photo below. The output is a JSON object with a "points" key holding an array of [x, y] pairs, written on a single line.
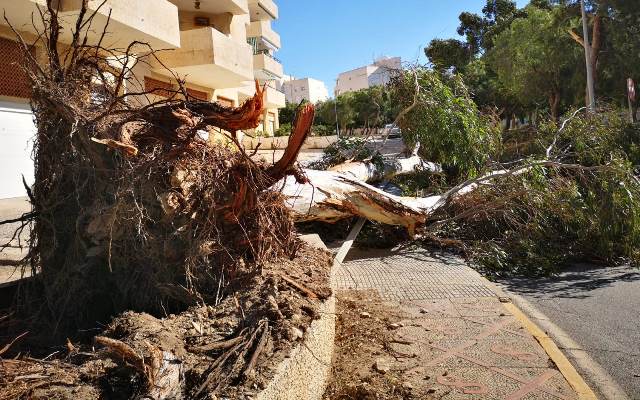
{"points": [[141, 226], [138, 221], [571, 194]]}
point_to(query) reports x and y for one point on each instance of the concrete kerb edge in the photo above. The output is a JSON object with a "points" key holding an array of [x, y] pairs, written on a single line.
{"points": [[548, 334], [305, 374]]}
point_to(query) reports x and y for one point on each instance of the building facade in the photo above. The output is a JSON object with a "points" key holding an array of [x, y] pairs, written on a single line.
{"points": [[217, 46], [309, 89], [377, 74]]}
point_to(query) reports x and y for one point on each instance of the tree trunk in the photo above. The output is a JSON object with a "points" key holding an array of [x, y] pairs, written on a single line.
{"points": [[330, 196], [367, 171], [596, 45], [554, 105]]}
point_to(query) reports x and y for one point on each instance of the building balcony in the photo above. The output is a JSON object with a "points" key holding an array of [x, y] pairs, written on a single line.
{"points": [[263, 30], [150, 21], [235, 7], [266, 67], [263, 10], [274, 98], [209, 58]]}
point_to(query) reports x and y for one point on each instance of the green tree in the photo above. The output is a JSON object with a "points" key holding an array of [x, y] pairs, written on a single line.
{"points": [[288, 113], [445, 122], [448, 54], [534, 58], [479, 30]]}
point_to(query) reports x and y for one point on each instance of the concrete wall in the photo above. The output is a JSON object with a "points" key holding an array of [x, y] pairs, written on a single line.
{"points": [[281, 142], [305, 374], [152, 21], [353, 80]]}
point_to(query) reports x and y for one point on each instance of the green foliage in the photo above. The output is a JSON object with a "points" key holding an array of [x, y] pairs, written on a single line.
{"points": [[448, 54], [349, 148], [288, 113], [480, 30], [523, 61], [283, 130], [366, 108], [323, 130], [539, 221], [445, 122], [534, 57]]}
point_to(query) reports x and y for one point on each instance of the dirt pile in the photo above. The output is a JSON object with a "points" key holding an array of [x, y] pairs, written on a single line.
{"points": [[229, 349]]}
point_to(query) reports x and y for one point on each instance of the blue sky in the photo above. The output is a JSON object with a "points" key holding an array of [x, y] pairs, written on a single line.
{"points": [[320, 39]]}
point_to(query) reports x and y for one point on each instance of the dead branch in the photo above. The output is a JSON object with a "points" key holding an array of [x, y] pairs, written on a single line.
{"points": [[306, 291]]}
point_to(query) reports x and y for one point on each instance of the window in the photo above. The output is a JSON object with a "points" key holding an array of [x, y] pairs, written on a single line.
{"points": [[13, 79], [223, 101], [158, 87], [197, 94]]}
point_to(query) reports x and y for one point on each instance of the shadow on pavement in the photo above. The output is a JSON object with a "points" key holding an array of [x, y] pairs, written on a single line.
{"points": [[575, 282]]}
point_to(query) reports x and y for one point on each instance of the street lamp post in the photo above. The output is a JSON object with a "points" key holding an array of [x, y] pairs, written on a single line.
{"points": [[335, 110], [587, 54]]}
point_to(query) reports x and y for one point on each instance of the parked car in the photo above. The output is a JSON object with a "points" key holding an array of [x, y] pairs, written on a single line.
{"points": [[394, 131]]}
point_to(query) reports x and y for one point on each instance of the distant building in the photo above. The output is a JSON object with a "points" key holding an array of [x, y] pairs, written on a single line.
{"points": [[376, 74], [309, 89]]}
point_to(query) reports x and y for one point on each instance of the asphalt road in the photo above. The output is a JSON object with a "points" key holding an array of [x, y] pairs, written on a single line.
{"points": [[599, 308]]}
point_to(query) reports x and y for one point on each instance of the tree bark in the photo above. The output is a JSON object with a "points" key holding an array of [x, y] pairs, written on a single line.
{"points": [[329, 196], [554, 105]]}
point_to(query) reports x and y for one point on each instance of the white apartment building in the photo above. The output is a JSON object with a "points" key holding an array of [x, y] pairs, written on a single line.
{"points": [[375, 74], [309, 89], [218, 46]]}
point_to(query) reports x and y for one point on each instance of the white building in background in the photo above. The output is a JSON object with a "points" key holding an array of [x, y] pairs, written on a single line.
{"points": [[309, 89], [376, 74]]}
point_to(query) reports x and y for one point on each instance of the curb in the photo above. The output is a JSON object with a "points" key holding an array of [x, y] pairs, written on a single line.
{"points": [[604, 384], [559, 359], [305, 373], [548, 334]]}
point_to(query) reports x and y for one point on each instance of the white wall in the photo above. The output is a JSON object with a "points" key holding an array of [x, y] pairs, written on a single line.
{"points": [[16, 142]]}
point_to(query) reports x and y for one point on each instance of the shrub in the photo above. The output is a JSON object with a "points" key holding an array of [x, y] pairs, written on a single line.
{"points": [[536, 222], [283, 130]]}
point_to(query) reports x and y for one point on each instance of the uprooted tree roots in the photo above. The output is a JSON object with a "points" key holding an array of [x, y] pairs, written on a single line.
{"points": [[132, 209]]}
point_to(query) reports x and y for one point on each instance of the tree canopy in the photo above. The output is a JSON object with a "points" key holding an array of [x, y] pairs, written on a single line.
{"points": [[532, 59]]}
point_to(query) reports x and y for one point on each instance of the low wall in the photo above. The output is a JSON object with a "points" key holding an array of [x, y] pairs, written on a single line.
{"points": [[280, 142], [305, 374]]}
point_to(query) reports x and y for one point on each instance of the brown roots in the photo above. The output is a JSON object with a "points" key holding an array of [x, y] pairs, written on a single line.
{"points": [[132, 209]]}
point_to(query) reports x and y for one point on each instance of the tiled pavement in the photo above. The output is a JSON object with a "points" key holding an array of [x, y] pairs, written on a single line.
{"points": [[457, 338], [410, 275]]}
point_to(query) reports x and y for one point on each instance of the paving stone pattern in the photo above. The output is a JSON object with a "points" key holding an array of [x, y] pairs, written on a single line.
{"points": [[457, 341], [410, 274]]}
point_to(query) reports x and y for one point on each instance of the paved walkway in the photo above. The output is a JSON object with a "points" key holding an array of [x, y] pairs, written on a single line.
{"points": [[457, 334]]}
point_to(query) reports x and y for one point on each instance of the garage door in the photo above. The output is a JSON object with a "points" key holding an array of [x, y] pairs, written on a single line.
{"points": [[16, 141]]}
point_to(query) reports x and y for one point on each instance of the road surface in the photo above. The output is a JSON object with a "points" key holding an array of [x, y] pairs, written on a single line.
{"points": [[599, 308]]}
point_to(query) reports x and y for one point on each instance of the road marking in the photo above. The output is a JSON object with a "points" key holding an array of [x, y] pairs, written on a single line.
{"points": [[566, 368]]}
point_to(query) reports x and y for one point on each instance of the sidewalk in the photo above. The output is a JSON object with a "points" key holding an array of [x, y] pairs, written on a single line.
{"points": [[455, 338]]}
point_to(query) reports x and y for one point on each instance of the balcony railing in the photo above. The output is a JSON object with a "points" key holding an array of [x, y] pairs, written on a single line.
{"points": [[268, 54]]}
